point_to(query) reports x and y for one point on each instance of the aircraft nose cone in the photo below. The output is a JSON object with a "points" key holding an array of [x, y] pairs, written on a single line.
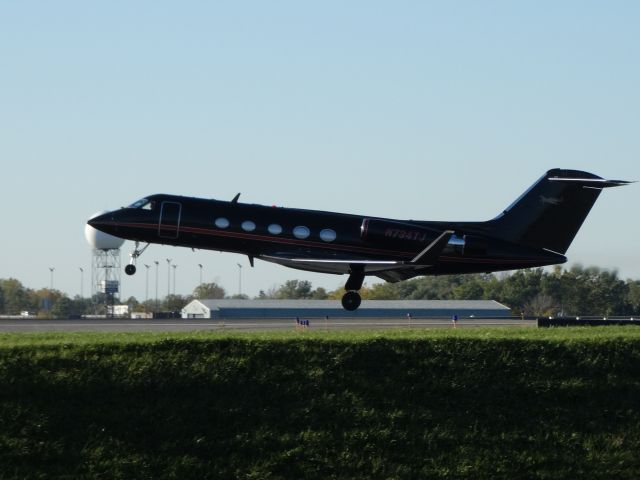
{"points": [[101, 232], [106, 218], [104, 222]]}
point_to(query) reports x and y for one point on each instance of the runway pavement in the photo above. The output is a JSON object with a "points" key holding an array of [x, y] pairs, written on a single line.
{"points": [[18, 325]]}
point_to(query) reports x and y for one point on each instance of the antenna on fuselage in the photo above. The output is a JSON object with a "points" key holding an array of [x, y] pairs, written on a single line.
{"points": [[235, 199]]}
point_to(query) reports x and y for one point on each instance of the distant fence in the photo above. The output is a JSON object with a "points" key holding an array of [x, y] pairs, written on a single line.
{"points": [[586, 321]]}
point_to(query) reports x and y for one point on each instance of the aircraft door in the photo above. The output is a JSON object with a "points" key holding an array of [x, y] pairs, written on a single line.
{"points": [[169, 225]]}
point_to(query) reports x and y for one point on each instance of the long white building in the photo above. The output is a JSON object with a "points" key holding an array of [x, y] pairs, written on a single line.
{"points": [[228, 309]]}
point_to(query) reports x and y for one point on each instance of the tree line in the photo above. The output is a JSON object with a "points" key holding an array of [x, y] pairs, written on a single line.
{"points": [[539, 292]]}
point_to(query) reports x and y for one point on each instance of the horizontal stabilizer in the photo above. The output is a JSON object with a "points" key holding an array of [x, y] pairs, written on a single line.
{"points": [[592, 182]]}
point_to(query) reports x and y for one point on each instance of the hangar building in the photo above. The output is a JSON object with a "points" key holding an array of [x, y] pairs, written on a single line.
{"points": [[228, 309]]}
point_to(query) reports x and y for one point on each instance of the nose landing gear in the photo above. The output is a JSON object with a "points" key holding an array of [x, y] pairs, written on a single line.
{"points": [[131, 268], [351, 299]]}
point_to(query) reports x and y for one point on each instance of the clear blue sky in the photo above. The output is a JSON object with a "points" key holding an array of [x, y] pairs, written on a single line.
{"points": [[410, 109]]}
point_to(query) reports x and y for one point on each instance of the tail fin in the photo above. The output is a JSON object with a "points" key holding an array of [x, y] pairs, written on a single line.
{"points": [[551, 212]]}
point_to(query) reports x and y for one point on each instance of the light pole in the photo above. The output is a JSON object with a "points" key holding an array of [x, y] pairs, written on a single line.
{"points": [[174, 278], [81, 282], [168, 277], [200, 265], [157, 268], [239, 279], [146, 289], [51, 269]]}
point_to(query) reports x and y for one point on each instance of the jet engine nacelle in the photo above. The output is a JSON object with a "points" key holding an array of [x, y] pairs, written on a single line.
{"points": [[474, 245], [414, 238], [396, 233]]}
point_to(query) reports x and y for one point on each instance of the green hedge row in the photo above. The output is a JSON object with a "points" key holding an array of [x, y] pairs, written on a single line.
{"points": [[321, 407]]}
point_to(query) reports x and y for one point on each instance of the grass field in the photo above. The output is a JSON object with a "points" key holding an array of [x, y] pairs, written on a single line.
{"points": [[498, 333], [481, 403]]}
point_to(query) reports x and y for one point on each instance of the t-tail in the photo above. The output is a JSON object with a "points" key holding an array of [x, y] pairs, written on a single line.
{"points": [[550, 213]]}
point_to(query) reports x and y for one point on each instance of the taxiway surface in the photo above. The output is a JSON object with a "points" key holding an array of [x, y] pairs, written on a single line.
{"points": [[192, 324]]}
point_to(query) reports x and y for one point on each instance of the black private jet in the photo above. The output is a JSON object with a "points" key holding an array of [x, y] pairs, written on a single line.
{"points": [[535, 230]]}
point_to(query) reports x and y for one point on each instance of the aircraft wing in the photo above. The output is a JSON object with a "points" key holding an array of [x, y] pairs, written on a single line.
{"points": [[390, 270], [394, 276], [330, 265]]}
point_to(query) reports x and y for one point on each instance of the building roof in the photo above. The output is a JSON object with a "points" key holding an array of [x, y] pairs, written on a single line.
{"points": [[217, 304], [228, 308]]}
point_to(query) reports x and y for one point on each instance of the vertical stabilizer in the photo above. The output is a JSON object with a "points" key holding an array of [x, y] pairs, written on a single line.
{"points": [[550, 213]]}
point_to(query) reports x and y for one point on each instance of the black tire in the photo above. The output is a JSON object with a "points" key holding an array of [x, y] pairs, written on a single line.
{"points": [[351, 301], [130, 269]]}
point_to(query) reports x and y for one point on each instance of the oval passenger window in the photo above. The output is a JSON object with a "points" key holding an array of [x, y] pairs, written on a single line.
{"points": [[301, 232]]}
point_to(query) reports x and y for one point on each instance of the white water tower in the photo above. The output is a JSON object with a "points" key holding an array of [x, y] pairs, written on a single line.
{"points": [[105, 266]]}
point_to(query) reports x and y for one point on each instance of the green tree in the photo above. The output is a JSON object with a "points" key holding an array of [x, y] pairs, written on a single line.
{"points": [[15, 296], [633, 297], [269, 294], [43, 299], [175, 303], [379, 291], [608, 293], [554, 287], [575, 292], [319, 294], [134, 305], [492, 286], [294, 289], [63, 308], [540, 306], [209, 291], [470, 289], [81, 306], [149, 306], [239, 296], [444, 287]]}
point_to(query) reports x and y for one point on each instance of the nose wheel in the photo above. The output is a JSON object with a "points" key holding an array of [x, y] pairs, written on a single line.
{"points": [[131, 268], [351, 299]]}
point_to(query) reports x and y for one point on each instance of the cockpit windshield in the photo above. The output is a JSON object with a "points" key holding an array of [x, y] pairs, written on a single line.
{"points": [[144, 204]]}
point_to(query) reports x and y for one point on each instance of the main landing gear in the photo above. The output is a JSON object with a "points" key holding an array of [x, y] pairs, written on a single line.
{"points": [[131, 268], [351, 299]]}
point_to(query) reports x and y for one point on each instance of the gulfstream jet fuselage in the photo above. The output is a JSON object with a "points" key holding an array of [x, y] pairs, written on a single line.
{"points": [[535, 230]]}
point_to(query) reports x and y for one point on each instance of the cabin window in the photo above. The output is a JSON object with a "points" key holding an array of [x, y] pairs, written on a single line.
{"points": [[248, 226], [275, 229], [222, 222], [301, 232], [328, 235]]}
